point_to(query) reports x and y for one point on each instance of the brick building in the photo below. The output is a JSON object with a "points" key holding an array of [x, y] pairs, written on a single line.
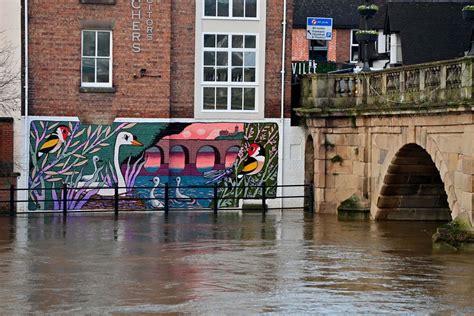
{"points": [[101, 72]]}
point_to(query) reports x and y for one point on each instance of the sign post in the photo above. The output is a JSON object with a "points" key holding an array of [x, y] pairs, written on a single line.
{"points": [[319, 29]]}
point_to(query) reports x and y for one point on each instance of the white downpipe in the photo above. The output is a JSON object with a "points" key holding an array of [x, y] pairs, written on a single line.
{"points": [[282, 106], [26, 140]]}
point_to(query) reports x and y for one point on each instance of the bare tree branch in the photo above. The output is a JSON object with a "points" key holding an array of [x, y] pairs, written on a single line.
{"points": [[9, 77]]}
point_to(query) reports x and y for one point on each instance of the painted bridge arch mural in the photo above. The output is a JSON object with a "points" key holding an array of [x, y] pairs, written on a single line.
{"points": [[141, 157]]}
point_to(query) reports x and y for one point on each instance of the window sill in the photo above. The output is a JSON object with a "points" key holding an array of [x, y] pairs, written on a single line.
{"points": [[97, 89], [97, 1]]}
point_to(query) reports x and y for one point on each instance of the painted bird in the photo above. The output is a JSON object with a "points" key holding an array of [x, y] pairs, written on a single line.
{"points": [[254, 162], [54, 141], [252, 165]]}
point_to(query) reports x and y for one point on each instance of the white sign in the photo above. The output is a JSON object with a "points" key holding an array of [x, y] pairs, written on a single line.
{"points": [[319, 29]]}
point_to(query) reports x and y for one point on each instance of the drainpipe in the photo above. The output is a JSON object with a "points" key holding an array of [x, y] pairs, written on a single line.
{"points": [[26, 140], [282, 106]]}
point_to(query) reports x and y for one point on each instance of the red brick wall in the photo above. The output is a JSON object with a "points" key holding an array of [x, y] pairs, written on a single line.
{"points": [[339, 47], [182, 58], [274, 35], [55, 59], [299, 45], [6, 146]]}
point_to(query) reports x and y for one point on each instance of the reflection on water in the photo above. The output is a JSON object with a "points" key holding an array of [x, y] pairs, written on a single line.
{"points": [[233, 264]]}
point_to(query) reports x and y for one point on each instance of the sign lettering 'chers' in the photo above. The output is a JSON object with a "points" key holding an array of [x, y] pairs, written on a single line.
{"points": [[319, 29]]}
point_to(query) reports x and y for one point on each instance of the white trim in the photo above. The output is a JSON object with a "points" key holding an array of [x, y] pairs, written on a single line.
{"points": [[351, 45], [158, 120], [96, 57], [230, 17]]}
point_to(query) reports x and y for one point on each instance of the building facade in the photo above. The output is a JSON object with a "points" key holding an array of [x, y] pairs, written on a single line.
{"points": [[143, 92]]}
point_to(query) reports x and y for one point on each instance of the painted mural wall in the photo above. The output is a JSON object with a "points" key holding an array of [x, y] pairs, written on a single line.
{"points": [[141, 157]]}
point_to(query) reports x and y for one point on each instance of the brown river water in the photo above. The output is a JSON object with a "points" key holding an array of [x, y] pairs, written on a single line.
{"points": [[194, 263]]}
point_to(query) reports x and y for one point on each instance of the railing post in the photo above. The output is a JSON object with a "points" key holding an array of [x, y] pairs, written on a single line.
{"points": [[12, 200], [264, 198], [64, 199], [116, 199], [167, 206], [215, 199], [311, 198]]}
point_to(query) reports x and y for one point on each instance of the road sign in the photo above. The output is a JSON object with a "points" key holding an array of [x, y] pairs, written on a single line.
{"points": [[319, 29]]}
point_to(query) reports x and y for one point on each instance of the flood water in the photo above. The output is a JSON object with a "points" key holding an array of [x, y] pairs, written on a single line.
{"points": [[285, 263]]}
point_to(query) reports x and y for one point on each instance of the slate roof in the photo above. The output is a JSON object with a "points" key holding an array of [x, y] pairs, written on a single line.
{"points": [[428, 31], [343, 12]]}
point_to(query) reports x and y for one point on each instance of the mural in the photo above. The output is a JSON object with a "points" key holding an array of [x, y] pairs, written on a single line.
{"points": [[141, 157]]}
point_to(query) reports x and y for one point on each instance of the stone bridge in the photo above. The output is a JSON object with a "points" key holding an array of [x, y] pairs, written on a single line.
{"points": [[401, 140]]}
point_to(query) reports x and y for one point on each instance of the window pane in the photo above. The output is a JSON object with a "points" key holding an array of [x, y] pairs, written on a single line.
{"points": [[237, 41], [221, 74], [222, 41], [249, 99], [222, 58], [238, 8], [103, 45], [209, 74], [237, 59], [209, 58], [88, 70], [250, 41], [208, 98], [249, 75], [88, 43], [209, 40], [103, 70], [354, 53], [354, 37], [210, 8], [236, 99], [249, 59], [251, 8], [223, 7], [237, 74], [221, 98]]}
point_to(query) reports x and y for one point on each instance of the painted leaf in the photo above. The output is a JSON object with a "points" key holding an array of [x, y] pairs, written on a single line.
{"points": [[107, 131], [79, 156], [75, 143], [53, 126], [32, 135], [54, 179], [69, 173], [89, 129], [104, 144], [80, 163], [41, 124], [51, 173], [44, 161], [130, 125], [95, 150], [80, 133], [60, 164], [70, 125]]}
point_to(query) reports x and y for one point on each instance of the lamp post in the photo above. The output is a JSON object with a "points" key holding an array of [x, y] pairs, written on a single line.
{"points": [[364, 35]]}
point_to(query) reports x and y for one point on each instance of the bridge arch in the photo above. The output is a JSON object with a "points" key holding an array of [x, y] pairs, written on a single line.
{"points": [[415, 186], [230, 155], [179, 158], [204, 155]]}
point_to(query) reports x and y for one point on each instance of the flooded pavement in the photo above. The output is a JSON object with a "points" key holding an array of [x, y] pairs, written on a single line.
{"points": [[236, 264]]}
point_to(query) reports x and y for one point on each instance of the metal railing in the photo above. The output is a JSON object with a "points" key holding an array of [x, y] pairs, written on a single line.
{"points": [[262, 194]]}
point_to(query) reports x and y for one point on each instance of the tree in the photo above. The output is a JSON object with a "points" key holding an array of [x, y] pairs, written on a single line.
{"points": [[9, 77]]}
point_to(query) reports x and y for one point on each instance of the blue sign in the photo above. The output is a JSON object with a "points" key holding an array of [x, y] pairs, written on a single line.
{"points": [[319, 29]]}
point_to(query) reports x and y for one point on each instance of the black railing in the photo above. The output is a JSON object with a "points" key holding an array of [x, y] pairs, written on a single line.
{"points": [[261, 193]]}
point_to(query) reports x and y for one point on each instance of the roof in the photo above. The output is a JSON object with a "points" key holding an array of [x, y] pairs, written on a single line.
{"points": [[429, 31], [343, 12]]}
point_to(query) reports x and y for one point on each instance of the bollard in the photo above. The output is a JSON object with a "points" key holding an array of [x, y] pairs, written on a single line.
{"points": [[116, 200], [311, 198], [64, 198], [12, 200], [264, 198], [167, 206], [215, 199]]}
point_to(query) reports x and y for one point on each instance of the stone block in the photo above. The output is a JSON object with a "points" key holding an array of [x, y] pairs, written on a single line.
{"points": [[358, 168], [344, 167], [467, 165], [347, 182], [344, 151]]}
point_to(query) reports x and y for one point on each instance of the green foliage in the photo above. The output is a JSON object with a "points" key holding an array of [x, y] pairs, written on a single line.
{"points": [[453, 233], [468, 8], [325, 67], [368, 7], [372, 32]]}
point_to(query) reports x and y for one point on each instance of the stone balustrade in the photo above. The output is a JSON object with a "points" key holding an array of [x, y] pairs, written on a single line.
{"points": [[422, 86]]}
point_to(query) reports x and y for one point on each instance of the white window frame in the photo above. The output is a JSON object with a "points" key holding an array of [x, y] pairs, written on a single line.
{"points": [[353, 45], [229, 84], [110, 57], [230, 17]]}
